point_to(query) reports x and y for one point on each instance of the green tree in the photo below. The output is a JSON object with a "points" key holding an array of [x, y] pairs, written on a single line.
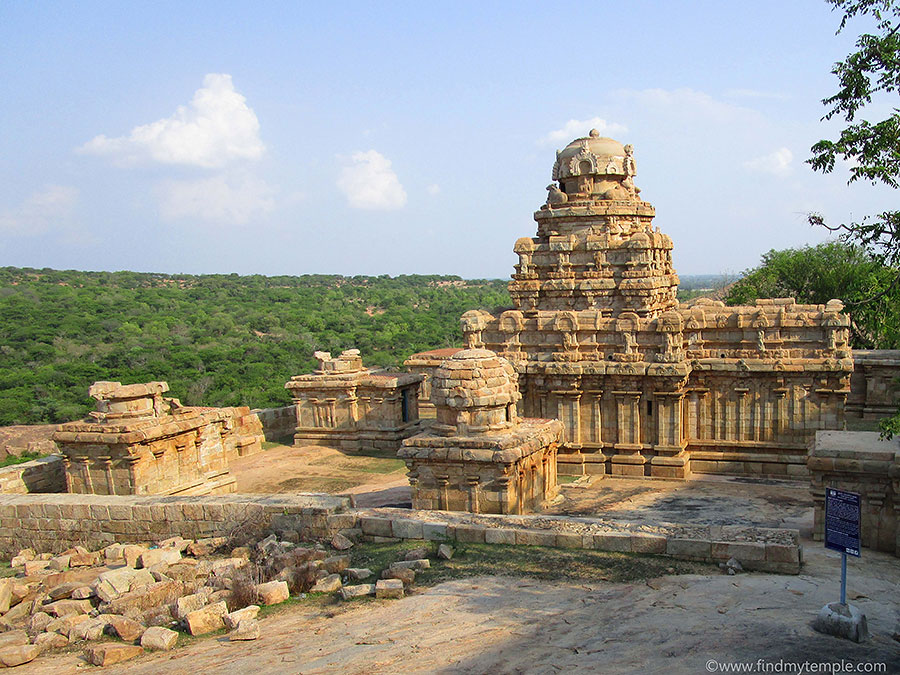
{"points": [[871, 74], [816, 274]]}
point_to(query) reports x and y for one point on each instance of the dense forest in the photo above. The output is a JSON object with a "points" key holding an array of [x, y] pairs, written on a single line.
{"points": [[216, 339]]}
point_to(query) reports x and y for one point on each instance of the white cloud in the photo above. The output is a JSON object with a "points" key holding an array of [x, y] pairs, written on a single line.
{"points": [[434, 189], [216, 128], [578, 128], [49, 208], [223, 199], [777, 162], [370, 182]]}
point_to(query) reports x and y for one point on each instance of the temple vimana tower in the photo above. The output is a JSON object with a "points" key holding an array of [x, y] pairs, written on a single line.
{"points": [[645, 385]]}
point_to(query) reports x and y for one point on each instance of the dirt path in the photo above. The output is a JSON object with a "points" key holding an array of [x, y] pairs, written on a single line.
{"points": [[505, 625], [284, 469]]}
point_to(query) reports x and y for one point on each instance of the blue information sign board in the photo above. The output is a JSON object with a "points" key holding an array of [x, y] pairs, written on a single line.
{"points": [[842, 516]]}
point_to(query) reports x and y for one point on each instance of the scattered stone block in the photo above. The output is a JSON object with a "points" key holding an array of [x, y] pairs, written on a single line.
{"points": [[422, 564], [83, 593], [84, 559], [124, 628], [190, 603], [234, 618], [22, 557], [445, 551], [132, 554], [38, 622], [62, 608], [113, 554], [358, 591], [60, 562], [159, 639], [248, 629], [340, 543], [416, 554], [13, 637], [388, 588], [206, 546], [36, 567], [274, 592], [146, 597], [329, 584], [17, 655], [358, 573], [154, 556], [92, 629], [66, 623], [110, 654], [404, 574], [6, 593], [48, 641], [207, 619], [112, 584], [65, 590], [336, 563]]}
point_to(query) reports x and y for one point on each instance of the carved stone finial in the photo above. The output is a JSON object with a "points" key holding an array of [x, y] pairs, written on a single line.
{"points": [[594, 133]]}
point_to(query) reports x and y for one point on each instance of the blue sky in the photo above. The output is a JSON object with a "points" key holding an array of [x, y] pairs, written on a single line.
{"points": [[399, 138]]}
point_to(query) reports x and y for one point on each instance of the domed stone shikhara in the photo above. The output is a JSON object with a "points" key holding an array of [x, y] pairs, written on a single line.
{"points": [[474, 391]]}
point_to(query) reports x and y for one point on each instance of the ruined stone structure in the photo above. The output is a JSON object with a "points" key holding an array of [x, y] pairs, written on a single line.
{"points": [[139, 443], [344, 405], [859, 462], [478, 455], [875, 384], [643, 385]]}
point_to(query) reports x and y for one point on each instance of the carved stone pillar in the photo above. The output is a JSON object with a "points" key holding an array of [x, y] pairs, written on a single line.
{"points": [[472, 482], [670, 460], [628, 460]]}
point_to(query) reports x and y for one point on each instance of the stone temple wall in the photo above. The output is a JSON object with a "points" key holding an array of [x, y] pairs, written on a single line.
{"points": [[278, 424]]}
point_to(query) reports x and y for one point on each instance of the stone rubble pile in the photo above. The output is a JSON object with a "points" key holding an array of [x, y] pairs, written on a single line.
{"points": [[147, 595]]}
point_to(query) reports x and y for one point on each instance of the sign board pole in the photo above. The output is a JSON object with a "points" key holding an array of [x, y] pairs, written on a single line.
{"points": [[844, 578], [843, 516]]}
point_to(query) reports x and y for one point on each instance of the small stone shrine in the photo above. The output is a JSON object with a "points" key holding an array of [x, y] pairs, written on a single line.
{"points": [[347, 406], [139, 443], [479, 455], [643, 385]]}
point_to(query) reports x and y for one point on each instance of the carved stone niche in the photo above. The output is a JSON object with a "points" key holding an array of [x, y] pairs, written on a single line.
{"points": [[627, 326], [670, 326], [473, 324]]}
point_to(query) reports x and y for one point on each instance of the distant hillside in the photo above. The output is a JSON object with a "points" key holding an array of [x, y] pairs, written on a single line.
{"points": [[217, 339]]}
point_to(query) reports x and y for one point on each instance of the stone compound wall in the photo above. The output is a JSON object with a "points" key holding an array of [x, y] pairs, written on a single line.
{"points": [[50, 523], [757, 548], [278, 424], [45, 474], [859, 462]]}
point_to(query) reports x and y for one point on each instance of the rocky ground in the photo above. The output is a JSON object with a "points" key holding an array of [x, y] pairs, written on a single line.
{"points": [[501, 624], [33, 438]]}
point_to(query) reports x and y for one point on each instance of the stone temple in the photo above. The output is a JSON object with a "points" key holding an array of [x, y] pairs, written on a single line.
{"points": [[644, 385]]}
